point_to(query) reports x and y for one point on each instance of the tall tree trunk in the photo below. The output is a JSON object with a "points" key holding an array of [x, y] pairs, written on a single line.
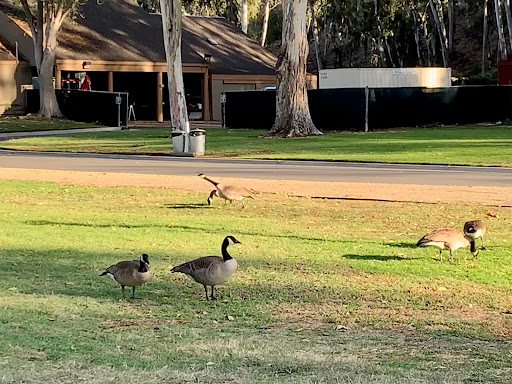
{"points": [[171, 25], [499, 25], [292, 109], [451, 25], [45, 26], [416, 35], [244, 16], [264, 26], [314, 29], [380, 48], [441, 30], [509, 22], [484, 36]]}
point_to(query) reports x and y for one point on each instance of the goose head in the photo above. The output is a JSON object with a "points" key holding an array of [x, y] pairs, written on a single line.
{"points": [[144, 259], [201, 175], [230, 240]]}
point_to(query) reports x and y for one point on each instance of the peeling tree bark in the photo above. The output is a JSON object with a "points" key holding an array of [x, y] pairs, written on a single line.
{"points": [[244, 16], [451, 25], [499, 25], [484, 36], [292, 109], [509, 22], [45, 26], [265, 5], [171, 25], [441, 30], [314, 29]]}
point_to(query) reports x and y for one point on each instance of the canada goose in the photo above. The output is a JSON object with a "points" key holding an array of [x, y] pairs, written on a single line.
{"points": [[227, 192], [475, 229], [447, 238], [211, 270], [130, 273]]}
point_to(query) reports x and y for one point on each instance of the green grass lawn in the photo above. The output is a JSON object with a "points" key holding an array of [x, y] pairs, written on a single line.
{"points": [[472, 145], [29, 124], [327, 291]]}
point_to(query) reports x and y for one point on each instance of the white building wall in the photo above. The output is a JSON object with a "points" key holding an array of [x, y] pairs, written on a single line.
{"points": [[385, 77]]}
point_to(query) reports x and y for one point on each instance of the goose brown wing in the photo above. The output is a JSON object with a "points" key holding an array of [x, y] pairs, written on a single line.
{"points": [[201, 263], [123, 265], [439, 235]]}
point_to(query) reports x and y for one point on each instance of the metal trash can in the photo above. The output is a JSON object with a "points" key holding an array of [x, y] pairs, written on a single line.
{"points": [[197, 140], [178, 141]]}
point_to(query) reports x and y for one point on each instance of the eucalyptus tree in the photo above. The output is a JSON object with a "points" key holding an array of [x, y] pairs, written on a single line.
{"points": [[292, 108], [45, 18]]}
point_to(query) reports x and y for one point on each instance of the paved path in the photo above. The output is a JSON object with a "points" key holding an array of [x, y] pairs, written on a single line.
{"points": [[262, 169]]}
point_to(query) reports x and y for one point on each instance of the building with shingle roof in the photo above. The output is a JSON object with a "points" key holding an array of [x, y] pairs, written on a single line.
{"points": [[120, 47]]}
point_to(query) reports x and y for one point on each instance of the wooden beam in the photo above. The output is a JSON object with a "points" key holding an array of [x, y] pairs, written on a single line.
{"points": [[58, 78], [159, 97], [205, 96], [110, 81]]}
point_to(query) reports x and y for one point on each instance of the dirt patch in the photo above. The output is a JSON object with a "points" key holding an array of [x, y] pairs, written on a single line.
{"points": [[492, 196]]}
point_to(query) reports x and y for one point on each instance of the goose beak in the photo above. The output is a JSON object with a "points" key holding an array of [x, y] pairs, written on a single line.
{"points": [[237, 242]]}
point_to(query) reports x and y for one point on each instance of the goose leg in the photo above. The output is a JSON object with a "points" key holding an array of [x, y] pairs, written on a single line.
{"points": [[441, 255], [243, 205], [133, 293], [482, 240], [206, 292], [122, 289], [451, 256], [212, 297]]}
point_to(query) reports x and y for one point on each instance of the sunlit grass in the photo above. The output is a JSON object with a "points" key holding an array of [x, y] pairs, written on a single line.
{"points": [[30, 124], [307, 268], [471, 145]]}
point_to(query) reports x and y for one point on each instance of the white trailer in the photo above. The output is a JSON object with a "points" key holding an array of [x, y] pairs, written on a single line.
{"points": [[385, 77]]}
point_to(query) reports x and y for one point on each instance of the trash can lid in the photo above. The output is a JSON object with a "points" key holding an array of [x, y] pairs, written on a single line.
{"points": [[197, 132], [177, 133]]}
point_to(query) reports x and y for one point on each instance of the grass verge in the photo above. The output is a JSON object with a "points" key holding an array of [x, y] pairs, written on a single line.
{"points": [[327, 291], [31, 124], [465, 145]]}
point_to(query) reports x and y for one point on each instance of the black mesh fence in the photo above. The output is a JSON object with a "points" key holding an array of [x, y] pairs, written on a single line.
{"points": [[107, 108], [344, 109]]}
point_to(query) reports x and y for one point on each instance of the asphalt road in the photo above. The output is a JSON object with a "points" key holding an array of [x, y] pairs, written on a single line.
{"points": [[262, 169]]}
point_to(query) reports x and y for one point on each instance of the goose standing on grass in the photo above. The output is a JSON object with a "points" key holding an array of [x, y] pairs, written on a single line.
{"points": [[475, 229], [130, 273], [447, 238], [211, 270], [227, 192]]}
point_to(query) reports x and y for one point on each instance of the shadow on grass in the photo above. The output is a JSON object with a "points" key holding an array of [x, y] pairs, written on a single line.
{"points": [[188, 206], [402, 245], [376, 257], [185, 228]]}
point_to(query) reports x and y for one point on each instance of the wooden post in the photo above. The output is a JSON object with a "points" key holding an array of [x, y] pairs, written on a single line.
{"points": [[111, 81], [206, 96], [159, 97], [58, 78], [366, 97]]}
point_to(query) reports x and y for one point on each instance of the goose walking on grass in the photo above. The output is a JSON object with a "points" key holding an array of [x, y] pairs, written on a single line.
{"points": [[475, 229], [131, 273], [447, 238], [211, 271], [227, 192]]}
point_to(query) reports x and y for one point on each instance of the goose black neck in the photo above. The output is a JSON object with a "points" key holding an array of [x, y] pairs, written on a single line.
{"points": [[211, 181], [143, 267], [472, 243], [225, 255]]}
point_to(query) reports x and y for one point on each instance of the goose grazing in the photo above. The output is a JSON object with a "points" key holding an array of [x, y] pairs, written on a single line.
{"points": [[211, 270], [475, 229], [447, 238], [227, 192], [130, 273]]}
